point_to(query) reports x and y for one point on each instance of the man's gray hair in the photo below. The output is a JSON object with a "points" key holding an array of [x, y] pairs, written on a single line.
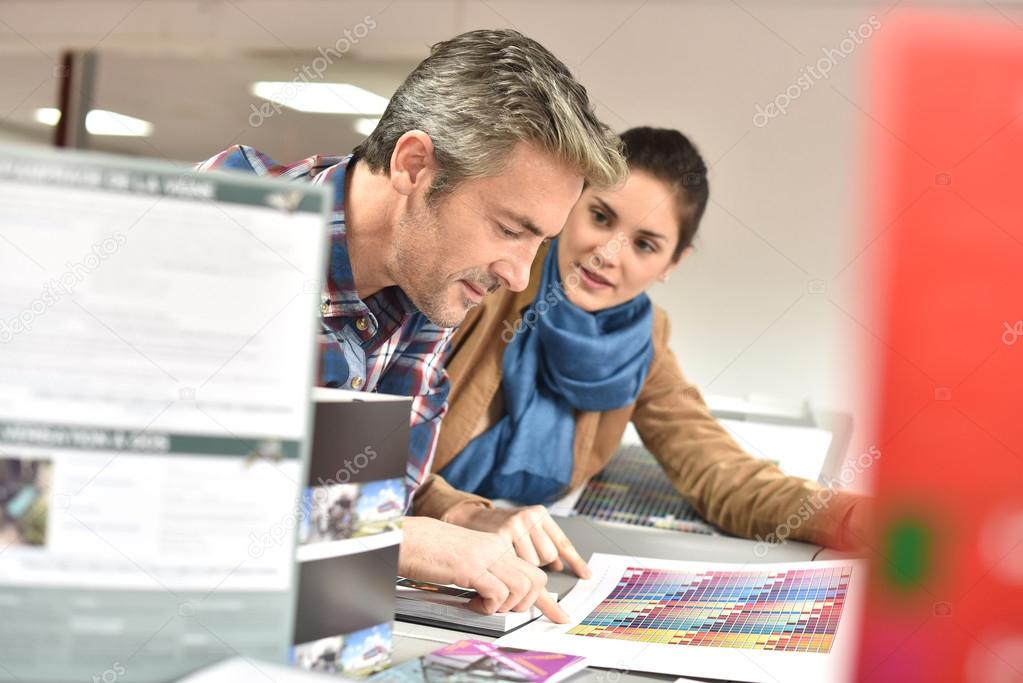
{"points": [[480, 93]]}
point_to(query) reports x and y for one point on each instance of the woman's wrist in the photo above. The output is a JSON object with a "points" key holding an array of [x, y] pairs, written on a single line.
{"points": [[461, 512]]}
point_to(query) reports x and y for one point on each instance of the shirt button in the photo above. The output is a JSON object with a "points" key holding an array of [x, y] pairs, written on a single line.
{"points": [[324, 308], [356, 382], [361, 324]]}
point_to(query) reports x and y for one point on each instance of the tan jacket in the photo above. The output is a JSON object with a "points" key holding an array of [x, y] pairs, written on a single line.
{"points": [[737, 492]]}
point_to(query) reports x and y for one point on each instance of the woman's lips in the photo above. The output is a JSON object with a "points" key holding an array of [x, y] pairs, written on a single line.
{"points": [[592, 279]]}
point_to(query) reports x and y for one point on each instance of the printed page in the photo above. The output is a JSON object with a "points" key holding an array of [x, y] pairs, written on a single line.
{"points": [[156, 342]]}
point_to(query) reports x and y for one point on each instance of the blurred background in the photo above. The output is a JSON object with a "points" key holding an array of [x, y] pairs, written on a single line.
{"points": [[771, 302]]}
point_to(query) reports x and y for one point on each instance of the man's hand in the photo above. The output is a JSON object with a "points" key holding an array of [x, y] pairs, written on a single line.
{"points": [[535, 535], [444, 553]]}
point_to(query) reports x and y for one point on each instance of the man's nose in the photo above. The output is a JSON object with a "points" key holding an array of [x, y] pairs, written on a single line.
{"points": [[514, 272]]}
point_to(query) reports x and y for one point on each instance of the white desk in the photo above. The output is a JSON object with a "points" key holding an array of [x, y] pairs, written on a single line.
{"points": [[589, 536]]}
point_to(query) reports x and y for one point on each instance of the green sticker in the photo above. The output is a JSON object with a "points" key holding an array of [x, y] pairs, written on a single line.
{"points": [[908, 553]]}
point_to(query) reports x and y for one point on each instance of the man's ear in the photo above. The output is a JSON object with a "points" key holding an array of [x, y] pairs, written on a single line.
{"points": [[412, 162]]}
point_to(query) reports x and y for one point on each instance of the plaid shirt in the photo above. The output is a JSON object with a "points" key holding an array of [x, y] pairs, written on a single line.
{"points": [[382, 343]]}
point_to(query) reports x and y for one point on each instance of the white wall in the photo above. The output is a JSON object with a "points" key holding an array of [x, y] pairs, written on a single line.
{"points": [[786, 197]]}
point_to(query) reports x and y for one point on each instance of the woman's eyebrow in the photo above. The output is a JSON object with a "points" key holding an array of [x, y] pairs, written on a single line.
{"points": [[646, 232], [606, 207]]}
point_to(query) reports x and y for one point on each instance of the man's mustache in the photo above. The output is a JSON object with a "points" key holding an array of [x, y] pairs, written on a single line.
{"points": [[485, 284]]}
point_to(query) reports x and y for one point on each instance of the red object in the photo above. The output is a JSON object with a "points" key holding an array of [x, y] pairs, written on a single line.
{"points": [[945, 597]]}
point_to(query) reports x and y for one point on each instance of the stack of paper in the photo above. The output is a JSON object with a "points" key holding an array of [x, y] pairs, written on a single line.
{"points": [[446, 606]]}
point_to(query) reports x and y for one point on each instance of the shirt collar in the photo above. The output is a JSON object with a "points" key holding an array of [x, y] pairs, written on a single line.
{"points": [[340, 296]]}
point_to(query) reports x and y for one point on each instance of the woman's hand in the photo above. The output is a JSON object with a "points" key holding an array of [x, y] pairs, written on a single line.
{"points": [[536, 537], [444, 553]]}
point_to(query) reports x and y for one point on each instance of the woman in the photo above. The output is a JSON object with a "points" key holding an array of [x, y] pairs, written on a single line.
{"points": [[545, 381]]}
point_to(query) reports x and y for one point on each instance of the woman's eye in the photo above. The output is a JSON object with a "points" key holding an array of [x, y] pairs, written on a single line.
{"points": [[646, 246], [599, 216]]}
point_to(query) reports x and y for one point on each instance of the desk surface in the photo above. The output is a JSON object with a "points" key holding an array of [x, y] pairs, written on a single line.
{"points": [[590, 536]]}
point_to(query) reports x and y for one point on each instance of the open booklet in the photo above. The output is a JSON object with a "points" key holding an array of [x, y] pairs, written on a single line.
{"points": [[446, 606]]}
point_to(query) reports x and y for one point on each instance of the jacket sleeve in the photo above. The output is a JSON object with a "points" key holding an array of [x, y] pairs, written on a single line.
{"points": [[436, 497], [730, 488]]}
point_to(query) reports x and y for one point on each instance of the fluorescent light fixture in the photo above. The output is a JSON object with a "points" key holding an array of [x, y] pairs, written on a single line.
{"points": [[321, 98], [101, 122], [48, 116], [365, 126]]}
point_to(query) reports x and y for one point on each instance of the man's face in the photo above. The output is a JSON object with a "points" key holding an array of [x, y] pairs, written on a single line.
{"points": [[482, 235]]}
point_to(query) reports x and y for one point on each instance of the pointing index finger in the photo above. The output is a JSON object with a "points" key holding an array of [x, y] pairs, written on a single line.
{"points": [[568, 551], [551, 609]]}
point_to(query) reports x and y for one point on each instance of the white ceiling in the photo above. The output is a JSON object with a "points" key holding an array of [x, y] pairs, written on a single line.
{"points": [[197, 105], [186, 65]]}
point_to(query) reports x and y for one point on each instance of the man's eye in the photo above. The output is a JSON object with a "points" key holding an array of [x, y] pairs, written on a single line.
{"points": [[506, 232]]}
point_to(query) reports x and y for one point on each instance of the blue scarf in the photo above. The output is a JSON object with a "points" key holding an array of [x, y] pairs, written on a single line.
{"points": [[562, 359]]}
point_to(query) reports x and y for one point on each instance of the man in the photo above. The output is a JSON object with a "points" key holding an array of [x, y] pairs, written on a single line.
{"points": [[478, 159]]}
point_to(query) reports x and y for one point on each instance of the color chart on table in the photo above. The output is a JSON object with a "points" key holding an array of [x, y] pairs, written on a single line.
{"points": [[797, 610], [632, 489], [744, 621]]}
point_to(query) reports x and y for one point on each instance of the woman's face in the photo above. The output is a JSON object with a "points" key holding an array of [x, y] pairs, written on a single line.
{"points": [[617, 243]]}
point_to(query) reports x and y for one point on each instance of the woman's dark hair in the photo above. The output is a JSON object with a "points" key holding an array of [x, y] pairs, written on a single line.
{"points": [[669, 156]]}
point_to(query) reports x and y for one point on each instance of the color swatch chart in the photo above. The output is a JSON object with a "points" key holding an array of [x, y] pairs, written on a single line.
{"points": [[796, 610], [633, 489]]}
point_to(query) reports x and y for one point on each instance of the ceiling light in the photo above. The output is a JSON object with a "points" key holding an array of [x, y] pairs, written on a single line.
{"points": [[321, 98], [48, 116], [101, 122]]}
